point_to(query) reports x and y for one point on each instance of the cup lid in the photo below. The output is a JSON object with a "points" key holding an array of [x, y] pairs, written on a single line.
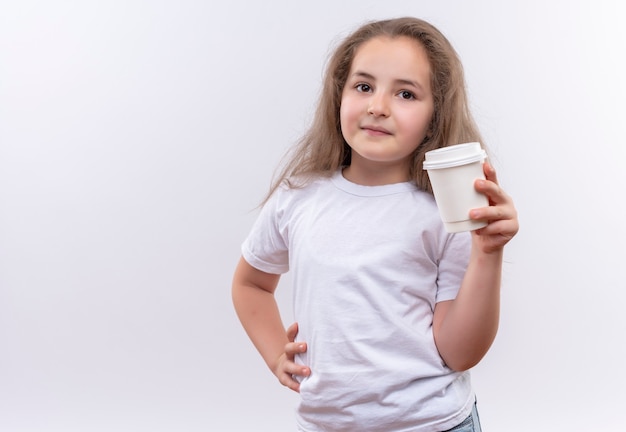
{"points": [[455, 155]]}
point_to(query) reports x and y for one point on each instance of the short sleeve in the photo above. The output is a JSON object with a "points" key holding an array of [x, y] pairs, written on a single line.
{"points": [[266, 247], [452, 265]]}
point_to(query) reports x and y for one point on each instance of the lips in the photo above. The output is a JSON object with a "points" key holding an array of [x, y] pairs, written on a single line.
{"points": [[375, 130]]}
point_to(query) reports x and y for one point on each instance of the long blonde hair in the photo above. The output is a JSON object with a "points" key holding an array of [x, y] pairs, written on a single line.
{"points": [[323, 150]]}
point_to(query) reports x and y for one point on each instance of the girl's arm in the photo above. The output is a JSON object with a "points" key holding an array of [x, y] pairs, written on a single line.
{"points": [[253, 298], [464, 328]]}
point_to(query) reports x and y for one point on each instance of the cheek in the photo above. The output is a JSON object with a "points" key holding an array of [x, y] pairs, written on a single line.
{"points": [[348, 117], [416, 124], [344, 119]]}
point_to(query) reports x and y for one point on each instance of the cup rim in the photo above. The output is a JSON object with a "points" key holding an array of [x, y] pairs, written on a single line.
{"points": [[455, 155]]}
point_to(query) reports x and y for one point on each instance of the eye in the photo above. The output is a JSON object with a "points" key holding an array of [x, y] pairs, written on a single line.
{"points": [[363, 88], [407, 95]]}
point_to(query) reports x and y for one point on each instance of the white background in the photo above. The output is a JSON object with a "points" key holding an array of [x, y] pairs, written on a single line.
{"points": [[137, 137]]}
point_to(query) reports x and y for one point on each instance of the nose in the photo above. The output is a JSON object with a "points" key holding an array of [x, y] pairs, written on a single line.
{"points": [[378, 106]]}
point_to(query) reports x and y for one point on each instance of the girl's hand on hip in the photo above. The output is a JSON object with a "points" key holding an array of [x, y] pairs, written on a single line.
{"points": [[500, 214], [286, 368]]}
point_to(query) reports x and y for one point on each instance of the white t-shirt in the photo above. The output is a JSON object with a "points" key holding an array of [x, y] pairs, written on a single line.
{"points": [[369, 263]]}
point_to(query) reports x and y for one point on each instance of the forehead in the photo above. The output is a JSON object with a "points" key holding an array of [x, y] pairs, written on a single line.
{"points": [[386, 55]]}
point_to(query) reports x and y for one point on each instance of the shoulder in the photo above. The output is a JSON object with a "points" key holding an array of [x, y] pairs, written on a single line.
{"points": [[302, 185], [296, 190]]}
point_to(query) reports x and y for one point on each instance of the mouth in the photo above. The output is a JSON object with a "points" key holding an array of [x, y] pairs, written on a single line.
{"points": [[375, 130]]}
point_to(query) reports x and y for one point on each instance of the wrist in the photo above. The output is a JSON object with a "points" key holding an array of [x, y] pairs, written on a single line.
{"points": [[484, 246], [486, 257]]}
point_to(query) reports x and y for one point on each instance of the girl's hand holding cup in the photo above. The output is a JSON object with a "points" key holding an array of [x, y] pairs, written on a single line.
{"points": [[468, 195], [501, 215]]}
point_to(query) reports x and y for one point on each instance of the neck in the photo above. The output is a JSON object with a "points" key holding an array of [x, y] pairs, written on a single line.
{"points": [[375, 176]]}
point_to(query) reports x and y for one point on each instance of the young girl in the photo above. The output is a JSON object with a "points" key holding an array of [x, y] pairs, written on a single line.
{"points": [[391, 310]]}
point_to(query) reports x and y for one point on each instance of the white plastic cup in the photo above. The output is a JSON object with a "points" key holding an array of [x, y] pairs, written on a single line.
{"points": [[452, 171]]}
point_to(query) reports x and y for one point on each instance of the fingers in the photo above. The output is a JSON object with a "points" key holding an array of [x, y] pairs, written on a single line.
{"points": [[289, 373], [292, 368], [490, 172], [500, 204], [292, 331], [500, 214], [293, 348], [288, 369], [491, 189]]}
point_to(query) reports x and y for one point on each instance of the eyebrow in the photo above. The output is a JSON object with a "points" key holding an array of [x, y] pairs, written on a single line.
{"points": [[399, 80]]}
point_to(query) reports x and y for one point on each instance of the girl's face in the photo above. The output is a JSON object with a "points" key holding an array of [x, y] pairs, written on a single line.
{"points": [[386, 108]]}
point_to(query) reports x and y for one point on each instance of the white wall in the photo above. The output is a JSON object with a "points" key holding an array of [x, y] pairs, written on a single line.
{"points": [[136, 138]]}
